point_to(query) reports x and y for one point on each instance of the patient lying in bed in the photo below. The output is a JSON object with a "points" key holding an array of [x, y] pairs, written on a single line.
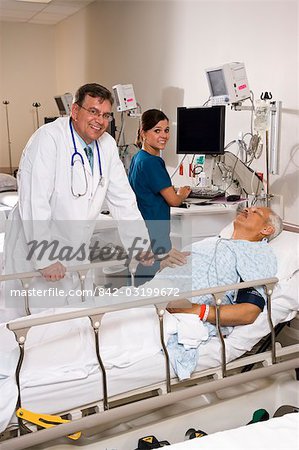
{"points": [[215, 262]]}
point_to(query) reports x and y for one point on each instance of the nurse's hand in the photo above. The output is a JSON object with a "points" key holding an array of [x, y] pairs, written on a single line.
{"points": [[54, 272], [184, 191], [174, 258], [145, 258]]}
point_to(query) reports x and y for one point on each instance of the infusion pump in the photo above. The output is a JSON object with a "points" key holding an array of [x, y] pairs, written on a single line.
{"points": [[228, 84]]}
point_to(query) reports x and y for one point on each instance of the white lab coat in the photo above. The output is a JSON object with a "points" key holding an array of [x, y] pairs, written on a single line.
{"points": [[47, 208]]}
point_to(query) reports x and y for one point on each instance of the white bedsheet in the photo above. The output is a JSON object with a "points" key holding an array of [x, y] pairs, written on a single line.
{"points": [[279, 433], [1, 250], [57, 380]]}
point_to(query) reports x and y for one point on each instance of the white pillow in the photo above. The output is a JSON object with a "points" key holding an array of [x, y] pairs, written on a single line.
{"points": [[8, 198], [285, 247], [7, 182], [227, 231]]}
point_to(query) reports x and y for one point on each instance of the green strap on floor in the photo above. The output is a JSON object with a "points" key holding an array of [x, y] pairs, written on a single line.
{"points": [[260, 415]]}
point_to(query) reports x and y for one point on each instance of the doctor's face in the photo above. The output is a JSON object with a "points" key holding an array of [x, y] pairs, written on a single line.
{"points": [[91, 119]]}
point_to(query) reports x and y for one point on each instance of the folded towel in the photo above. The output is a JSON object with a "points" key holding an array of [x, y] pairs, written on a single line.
{"points": [[191, 330]]}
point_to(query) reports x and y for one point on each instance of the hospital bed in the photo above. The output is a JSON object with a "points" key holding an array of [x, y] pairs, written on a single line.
{"points": [[8, 199], [8, 192], [74, 383]]}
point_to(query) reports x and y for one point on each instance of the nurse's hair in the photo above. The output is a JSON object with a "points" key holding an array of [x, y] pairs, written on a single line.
{"points": [[94, 90], [149, 120]]}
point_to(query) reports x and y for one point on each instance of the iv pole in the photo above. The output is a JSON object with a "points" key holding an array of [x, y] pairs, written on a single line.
{"points": [[268, 196], [36, 106], [6, 103], [272, 141]]}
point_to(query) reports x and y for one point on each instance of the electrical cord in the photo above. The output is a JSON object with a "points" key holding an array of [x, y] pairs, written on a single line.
{"points": [[228, 169], [251, 98], [197, 169], [207, 101], [122, 128]]}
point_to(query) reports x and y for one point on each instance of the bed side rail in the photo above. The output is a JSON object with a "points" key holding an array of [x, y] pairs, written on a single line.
{"points": [[21, 327]]}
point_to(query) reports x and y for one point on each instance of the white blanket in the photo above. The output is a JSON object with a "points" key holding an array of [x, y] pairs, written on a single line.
{"points": [[280, 433]]}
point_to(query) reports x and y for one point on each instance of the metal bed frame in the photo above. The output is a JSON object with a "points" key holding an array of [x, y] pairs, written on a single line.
{"points": [[274, 362]]}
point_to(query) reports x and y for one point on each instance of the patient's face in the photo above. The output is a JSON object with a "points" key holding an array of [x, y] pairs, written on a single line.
{"points": [[254, 218]]}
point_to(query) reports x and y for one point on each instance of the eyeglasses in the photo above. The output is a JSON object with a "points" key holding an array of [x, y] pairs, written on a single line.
{"points": [[95, 113]]}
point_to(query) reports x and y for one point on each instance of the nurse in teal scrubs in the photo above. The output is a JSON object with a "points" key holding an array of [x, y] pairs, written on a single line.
{"points": [[152, 184]]}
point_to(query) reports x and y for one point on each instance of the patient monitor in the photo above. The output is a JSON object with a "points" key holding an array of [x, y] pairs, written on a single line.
{"points": [[124, 97], [228, 83], [64, 103]]}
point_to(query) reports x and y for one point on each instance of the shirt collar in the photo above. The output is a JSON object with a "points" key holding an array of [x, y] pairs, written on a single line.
{"points": [[82, 142]]}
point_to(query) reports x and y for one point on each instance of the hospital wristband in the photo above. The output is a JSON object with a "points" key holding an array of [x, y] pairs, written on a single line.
{"points": [[206, 313], [202, 311]]}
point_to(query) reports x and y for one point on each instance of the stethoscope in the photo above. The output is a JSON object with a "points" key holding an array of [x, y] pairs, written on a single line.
{"points": [[78, 158]]}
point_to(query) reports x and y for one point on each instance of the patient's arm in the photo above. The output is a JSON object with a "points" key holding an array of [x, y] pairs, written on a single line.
{"points": [[230, 315]]}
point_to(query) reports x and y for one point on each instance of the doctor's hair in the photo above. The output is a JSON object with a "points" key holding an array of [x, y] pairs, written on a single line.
{"points": [[94, 90], [149, 120], [276, 222]]}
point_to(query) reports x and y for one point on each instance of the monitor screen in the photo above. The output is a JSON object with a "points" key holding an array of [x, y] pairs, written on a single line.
{"points": [[60, 105], [200, 131], [217, 82]]}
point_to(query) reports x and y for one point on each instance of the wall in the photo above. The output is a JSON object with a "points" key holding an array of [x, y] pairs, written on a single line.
{"points": [[27, 60], [163, 49], [71, 52]]}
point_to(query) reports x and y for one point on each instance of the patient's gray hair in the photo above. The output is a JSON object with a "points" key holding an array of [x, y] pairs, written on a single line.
{"points": [[276, 223]]}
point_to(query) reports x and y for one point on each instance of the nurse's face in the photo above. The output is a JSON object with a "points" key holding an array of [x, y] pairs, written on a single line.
{"points": [[91, 119], [158, 136]]}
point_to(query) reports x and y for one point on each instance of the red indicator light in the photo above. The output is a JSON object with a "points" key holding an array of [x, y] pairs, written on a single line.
{"points": [[243, 86]]}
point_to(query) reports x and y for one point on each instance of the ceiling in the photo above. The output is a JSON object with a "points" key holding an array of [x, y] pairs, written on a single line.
{"points": [[39, 11]]}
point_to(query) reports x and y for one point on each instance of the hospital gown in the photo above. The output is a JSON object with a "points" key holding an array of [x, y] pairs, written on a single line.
{"points": [[216, 262]]}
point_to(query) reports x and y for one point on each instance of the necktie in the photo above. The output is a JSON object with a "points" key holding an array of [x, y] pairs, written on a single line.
{"points": [[89, 154]]}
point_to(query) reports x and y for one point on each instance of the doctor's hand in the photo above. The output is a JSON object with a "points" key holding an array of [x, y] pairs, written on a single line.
{"points": [[174, 258], [54, 272]]}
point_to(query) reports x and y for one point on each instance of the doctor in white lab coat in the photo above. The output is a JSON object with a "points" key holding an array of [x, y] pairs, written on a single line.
{"points": [[61, 194]]}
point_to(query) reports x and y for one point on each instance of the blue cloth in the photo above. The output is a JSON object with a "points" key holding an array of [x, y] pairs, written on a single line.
{"points": [[148, 176], [250, 295], [216, 262]]}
